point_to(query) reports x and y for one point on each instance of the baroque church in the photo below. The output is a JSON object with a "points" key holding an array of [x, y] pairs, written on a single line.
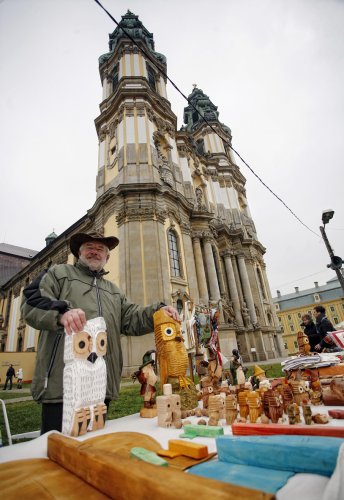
{"points": [[177, 202]]}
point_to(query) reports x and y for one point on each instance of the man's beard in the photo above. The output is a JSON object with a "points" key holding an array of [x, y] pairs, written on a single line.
{"points": [[92, 263]]}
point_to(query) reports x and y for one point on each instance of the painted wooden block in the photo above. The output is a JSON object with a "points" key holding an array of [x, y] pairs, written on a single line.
{"points": [[193, 450]]}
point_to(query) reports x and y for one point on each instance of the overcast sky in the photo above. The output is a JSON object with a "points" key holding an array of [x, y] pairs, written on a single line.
{"points": [[274, 68]]}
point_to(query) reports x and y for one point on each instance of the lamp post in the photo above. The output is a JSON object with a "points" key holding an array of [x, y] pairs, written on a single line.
{"points": [[336, 262]]}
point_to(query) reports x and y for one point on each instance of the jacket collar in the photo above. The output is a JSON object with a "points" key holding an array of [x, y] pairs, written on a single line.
{"points": [[87, 270]]}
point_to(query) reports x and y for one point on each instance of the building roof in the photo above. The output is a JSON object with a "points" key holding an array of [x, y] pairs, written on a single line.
{"points": [[330, 291], [27, 253]]}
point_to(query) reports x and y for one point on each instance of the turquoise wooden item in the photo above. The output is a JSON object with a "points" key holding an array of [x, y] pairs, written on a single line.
{"points": [[147, 456]]}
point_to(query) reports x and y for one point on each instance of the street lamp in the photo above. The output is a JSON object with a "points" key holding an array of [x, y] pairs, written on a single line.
{"points": [[336, 262]]}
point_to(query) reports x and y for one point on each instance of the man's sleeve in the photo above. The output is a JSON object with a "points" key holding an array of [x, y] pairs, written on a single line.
{"points": [[135, 319], [41, 306]]}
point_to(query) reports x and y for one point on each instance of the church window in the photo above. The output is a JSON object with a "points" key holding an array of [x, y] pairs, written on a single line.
{"points": [[151, 77], [115, 76], [261, 283], [174, 254]]}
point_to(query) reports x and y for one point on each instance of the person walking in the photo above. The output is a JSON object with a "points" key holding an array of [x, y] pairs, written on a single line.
{"points": [[60, 301], [9, 376]]}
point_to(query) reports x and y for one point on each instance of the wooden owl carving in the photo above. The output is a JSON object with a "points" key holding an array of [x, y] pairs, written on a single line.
{"points": [[84, 379], [171, 352]]}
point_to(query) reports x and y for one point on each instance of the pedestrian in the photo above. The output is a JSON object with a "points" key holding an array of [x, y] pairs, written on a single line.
{"points": [[61, 300], [310, 330], [19, 378], [323, 326], [9, 376]]}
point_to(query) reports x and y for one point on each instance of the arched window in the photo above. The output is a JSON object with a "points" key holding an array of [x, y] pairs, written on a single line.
{"points": [[174, 254]]}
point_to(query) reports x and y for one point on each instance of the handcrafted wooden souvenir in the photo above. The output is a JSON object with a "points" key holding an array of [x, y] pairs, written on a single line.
{"points": [[231, 407], [275, 405], [169, 410], [255, 405], [299, 391], [84, 379], [303, 343], [215, 408], [287, 396], [243, 404], [173, 359], [147, 378], [307, 414], [293, 412], [333, 392]]}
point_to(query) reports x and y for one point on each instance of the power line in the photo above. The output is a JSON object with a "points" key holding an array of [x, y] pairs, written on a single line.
{"points": [[203, 118], [302, 278]]}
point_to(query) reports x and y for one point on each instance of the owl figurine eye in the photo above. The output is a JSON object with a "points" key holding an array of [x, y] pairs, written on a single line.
{"points": [[169, 331], [101, 343], [82, 344]]}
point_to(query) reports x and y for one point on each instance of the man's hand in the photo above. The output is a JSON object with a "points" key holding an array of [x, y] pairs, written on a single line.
{"points": [[73, 320], [171, 311]]}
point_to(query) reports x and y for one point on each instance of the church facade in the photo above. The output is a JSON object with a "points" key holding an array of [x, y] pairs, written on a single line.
{"points": [[177, 202]]}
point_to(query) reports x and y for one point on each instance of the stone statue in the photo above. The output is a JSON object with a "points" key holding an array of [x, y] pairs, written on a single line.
{"points": [[246, 315]]}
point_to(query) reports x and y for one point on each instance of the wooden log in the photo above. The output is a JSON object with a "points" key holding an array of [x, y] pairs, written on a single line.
{"points": [[271, 429], [128, 478]]}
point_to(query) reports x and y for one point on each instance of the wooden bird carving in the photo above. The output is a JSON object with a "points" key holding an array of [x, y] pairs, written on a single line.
{"points": [[171, 352]]}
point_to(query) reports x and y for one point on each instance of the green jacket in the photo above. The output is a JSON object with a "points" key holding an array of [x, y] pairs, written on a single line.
{"points": [[65, 287]]}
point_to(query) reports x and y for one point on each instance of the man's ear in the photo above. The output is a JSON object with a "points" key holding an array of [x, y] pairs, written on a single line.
{"points": [[108, 256]]}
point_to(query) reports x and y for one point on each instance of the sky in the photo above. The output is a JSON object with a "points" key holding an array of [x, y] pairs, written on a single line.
{"points": [[274, 68]]}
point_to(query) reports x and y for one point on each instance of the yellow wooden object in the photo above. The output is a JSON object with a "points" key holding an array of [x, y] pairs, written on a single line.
{"points": [[193, 450], [171, 352]]}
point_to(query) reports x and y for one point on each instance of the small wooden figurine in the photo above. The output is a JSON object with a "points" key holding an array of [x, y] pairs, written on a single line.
{"points": [[303, 343], [169, 411], [231, 407], [147, 378], [215, 408], [255, 406]]}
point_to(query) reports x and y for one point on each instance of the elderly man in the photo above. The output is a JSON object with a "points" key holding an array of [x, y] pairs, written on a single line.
{"points": [[64, 298]]}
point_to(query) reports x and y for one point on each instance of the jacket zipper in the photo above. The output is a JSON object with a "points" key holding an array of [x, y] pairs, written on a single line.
{"points": [[100, 311], [51, 361]]}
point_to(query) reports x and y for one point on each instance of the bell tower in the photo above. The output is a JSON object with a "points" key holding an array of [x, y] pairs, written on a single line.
{"points": [[134, 106]]}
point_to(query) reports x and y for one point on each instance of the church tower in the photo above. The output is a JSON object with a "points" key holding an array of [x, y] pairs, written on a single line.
{"points": [[177, 199]]}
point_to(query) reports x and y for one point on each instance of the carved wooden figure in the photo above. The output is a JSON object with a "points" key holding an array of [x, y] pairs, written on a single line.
{"points": [[243, 404], [255, 406], [287, 396], [307, 414], [275, 405], [147, 378], [169, 410], [303, 343], [171, 351], [215, 408], [231, 406], [84, 379], [299, 391]]}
